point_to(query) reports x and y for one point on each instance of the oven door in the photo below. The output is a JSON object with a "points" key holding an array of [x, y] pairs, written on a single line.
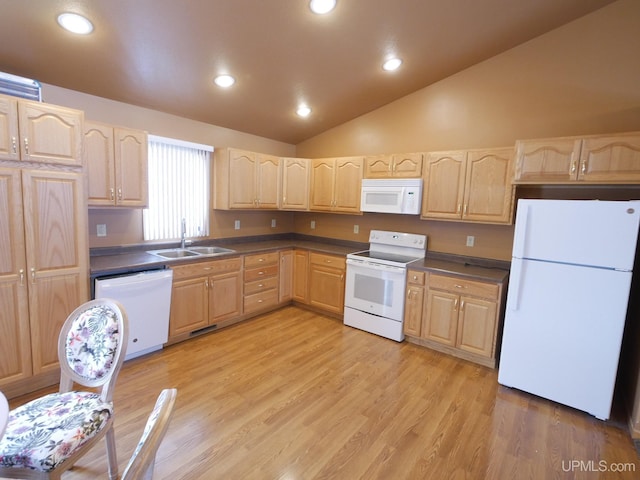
{"points": [[375, 288]]}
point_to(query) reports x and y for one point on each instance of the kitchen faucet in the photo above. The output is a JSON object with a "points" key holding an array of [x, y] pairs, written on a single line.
{"points": [[184, 232]]}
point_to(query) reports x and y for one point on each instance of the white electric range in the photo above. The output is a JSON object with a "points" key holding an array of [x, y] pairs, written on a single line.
{"points": [[376, 281]]}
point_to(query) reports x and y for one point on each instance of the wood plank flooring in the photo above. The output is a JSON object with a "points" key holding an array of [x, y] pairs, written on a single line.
{"points": [[295, 395]]}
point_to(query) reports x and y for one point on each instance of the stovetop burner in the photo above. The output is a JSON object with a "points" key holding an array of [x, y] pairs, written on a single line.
{"points": [[384, 256]]}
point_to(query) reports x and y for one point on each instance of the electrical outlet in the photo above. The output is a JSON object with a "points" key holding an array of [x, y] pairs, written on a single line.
{"points": [[313, 224], [273, 223], [470, 240], [356, 229], [101, 230], [236, 225]]}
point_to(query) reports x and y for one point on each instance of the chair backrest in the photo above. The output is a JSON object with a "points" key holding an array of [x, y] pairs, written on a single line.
{"points": [[141, 464], [92, 345]]}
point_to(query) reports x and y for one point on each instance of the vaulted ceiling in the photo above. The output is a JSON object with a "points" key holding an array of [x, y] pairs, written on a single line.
{"points": [[163, 54]]}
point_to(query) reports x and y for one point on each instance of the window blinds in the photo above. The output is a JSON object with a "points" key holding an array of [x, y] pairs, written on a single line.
{"points": [[178, 188]]}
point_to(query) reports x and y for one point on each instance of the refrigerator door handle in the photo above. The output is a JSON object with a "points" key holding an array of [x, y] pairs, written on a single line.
{"points": [[520, 236], [515, 283]]}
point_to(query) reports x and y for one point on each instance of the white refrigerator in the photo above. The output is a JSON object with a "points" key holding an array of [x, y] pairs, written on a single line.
{"points": [[567, 300]]}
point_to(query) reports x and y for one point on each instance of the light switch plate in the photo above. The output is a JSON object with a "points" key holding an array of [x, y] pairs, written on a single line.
{"points": [[101, 230]]}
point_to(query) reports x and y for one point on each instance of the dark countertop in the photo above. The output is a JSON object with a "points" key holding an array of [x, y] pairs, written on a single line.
{"points": [[111, 261], [464, 267]]}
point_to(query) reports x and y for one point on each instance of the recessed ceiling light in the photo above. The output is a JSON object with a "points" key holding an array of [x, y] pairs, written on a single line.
{"points": [[75, 23], [303, 111], [392, 64], [224, 81], [322, 6]]}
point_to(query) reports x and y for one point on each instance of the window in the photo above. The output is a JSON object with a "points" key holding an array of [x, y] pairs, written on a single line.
{"points": [[178, 189]]}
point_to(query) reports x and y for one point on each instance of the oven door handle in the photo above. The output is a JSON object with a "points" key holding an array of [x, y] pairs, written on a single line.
{"points": [[375, 266]]}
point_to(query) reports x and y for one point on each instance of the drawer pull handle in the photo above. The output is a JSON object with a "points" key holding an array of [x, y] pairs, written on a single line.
{"points": [[14, 145], [21, 276], [26, 145], [33, 275], [260, 272], [459, 286], [113, 193]]}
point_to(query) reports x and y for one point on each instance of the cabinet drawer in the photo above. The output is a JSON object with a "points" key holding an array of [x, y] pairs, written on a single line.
{"points": [[327, 260], [200, 269], [262, 272], [260, 285], [260, 300], [261, 259], [415, 278], [463, 286]]}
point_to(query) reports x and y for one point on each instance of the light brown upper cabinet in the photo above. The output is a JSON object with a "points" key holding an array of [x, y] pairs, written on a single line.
{"points": [[246, 180], [39, 132], [469, 185], [117, 163], [596, 159], [335, 184], [296, 174], [396, 165]]}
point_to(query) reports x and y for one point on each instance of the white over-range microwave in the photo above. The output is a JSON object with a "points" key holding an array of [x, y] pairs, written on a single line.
{"points": [[401, 195]]}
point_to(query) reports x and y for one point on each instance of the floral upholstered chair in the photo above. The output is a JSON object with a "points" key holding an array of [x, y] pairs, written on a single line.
{"points": [[46, 436], [141, 464]]}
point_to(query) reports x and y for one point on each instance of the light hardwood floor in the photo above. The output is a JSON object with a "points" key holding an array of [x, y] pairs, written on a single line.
{"points": [[293, 395]]}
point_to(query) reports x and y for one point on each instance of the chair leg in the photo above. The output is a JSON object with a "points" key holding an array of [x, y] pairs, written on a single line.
{"points": [[112, 459]]}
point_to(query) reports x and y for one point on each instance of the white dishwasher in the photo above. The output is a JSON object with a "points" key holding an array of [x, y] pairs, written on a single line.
{"points": [[146, 297]]}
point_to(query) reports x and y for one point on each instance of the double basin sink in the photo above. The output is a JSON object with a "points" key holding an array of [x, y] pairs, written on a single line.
{"points": [[172, 253]]}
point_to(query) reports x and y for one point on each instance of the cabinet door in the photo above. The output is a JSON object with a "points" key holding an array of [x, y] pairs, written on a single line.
{"points": [[407, 165], [322, 184], [57, 256], [413, 310], [444, 179], [378, 166], [15, 339], [348, 181], [9, 139], [99, 159], [301, 276], [189, 306], [225, 297], [296, 173], [477, 325], [268, 181], [131, 164], [441, 319], [488, 190], [242, 179], [547, 161], [610, 159], [326, 288], [50, 134], [286, 276]]}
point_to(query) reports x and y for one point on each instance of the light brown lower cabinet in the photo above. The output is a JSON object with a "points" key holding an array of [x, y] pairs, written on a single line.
{"points": [[326, 282], [44, 271], [301, 276], [204, 294], [285, 293], [261, 281], [453, 315]]}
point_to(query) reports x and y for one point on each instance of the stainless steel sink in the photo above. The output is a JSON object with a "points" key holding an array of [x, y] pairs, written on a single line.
{"points": [[210, 250], [190, 252], [174, 253]]}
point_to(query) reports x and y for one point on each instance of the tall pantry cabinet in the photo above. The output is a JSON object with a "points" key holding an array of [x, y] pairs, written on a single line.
{"points": [[44, 260]]}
